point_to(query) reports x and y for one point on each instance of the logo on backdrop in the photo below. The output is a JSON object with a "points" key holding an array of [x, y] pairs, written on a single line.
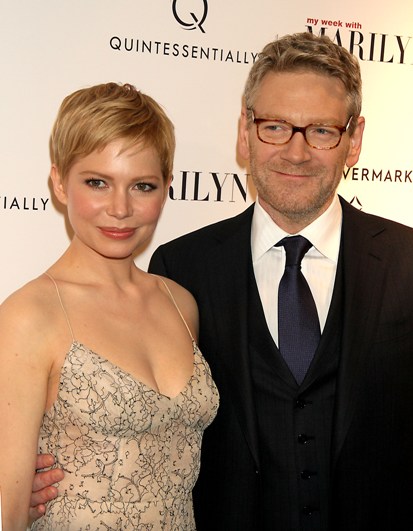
{"points": [[365, 45], [187, 18], [356, 203], [232, 187], [23, 203], [212, 186], [375, 175]]}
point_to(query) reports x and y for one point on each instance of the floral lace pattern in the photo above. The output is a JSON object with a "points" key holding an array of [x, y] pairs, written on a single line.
{"points": [[131, 455]]}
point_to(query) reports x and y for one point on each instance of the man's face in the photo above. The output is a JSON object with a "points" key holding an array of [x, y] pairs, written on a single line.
{"points": [[295, 182]]}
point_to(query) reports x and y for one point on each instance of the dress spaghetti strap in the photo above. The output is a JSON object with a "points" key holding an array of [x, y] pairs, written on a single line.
{"points": [[61, 304], [177, 307]]}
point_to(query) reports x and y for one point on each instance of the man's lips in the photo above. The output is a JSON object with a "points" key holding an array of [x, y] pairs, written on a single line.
{"points": [[293, 174]]}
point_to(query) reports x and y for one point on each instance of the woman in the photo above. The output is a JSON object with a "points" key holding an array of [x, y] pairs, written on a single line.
{"points": [[99, 363]]}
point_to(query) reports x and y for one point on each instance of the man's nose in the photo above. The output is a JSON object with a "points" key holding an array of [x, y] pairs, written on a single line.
{"points": [[296, 150]]}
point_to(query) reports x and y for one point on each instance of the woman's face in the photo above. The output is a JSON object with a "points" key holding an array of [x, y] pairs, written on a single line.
{"points": [[114, 198]]}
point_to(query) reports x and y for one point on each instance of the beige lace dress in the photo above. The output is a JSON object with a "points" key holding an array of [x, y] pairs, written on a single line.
{"points": [[131, 455]]}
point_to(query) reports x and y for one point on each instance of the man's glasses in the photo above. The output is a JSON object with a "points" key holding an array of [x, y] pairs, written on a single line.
{"points": [[317, 136]]}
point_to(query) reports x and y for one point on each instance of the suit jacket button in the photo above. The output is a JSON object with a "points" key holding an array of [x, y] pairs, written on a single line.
{"points": [[304, 439], [308, 510], [300, 403], [307, 474]]}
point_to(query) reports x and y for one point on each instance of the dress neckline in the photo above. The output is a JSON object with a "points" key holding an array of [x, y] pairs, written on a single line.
{"points": [[79, 344]]}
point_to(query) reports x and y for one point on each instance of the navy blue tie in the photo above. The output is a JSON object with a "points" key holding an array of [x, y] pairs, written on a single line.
{"points": [[298, 324]]}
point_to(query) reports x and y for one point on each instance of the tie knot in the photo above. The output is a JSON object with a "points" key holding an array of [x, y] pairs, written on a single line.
{"points": [[295, 249]]}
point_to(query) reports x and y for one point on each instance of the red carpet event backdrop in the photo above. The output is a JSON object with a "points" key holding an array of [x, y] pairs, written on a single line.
{"points": [[192, 56]]}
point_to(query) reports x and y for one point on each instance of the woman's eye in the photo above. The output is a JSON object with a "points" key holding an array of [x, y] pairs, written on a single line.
{"points": [[145, 187], [96, 183]]}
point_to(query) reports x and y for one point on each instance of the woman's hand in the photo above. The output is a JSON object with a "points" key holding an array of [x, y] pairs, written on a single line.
{"points": [[43, 490]]}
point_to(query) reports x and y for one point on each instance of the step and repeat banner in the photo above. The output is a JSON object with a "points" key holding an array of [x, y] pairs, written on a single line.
{"points": [[193, 56]]}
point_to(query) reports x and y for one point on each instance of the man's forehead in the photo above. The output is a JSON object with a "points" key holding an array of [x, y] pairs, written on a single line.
{"points": [[303, 92]]}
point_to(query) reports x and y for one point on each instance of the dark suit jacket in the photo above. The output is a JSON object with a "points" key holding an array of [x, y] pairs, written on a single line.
{"points": [[372, 432]]}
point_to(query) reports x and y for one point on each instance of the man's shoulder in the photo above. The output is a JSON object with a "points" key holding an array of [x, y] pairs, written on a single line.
{"points": [[373, 221], [213, 233], [184, 259]]}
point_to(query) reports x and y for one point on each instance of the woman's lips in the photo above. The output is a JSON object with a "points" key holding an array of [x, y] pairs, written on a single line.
{"points": [[117, 234]]}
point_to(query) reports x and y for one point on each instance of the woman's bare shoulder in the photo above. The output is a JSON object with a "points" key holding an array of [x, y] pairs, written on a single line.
{"points": [[30, 307], [185, 302]]}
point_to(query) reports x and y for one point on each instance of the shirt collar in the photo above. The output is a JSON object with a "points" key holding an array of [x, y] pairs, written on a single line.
{"points": [[324, 232]]}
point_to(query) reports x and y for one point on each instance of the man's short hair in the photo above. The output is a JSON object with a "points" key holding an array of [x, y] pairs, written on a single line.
{"points": [[302, 52]]}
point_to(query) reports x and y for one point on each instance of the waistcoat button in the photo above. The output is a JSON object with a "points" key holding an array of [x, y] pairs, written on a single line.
{"points": [[300, 403], [304, 439], [306, 474], [308, 510]]}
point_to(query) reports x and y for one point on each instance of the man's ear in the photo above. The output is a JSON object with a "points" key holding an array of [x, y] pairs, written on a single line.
{"points": [[355, 143], [243, 135], [58, 185]]}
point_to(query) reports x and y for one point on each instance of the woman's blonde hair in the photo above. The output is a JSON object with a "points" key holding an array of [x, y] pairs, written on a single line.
{"points": [[92, 117]]}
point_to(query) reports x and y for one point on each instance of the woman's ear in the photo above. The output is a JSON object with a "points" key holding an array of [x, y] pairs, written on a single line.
{"points": [[58, 185], [168, 183]]}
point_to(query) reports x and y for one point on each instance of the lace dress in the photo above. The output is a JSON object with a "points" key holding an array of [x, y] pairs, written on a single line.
{"points": [[131, 455]]}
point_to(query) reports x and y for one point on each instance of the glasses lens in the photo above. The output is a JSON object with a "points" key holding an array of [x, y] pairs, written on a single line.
{"points": [[275, 132], [322, 136], [317, 135]]}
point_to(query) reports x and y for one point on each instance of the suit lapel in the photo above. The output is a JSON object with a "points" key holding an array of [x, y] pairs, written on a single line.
{"points": [[363, 274]]}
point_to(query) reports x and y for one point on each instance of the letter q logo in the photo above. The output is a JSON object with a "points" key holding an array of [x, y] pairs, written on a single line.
{"points": [[189, 17]]}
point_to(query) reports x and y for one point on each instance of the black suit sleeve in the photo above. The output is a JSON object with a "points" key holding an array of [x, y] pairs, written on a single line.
{"points": [[157, 264]]}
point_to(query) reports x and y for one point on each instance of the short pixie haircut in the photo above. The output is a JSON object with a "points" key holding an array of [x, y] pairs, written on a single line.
{"points": [[301, 52], [92, 117]]}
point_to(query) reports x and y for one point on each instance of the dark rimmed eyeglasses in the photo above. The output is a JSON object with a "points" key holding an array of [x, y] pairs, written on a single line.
{"points": [[317, 136]]}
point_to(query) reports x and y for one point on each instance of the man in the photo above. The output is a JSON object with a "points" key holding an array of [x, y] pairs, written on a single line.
{"points": [[327, 447]]}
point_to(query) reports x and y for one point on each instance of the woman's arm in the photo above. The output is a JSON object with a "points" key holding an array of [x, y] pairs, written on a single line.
{"points": [[23, 390]]}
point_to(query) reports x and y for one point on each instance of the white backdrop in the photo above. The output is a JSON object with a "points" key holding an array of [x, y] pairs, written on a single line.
{"points": [[193, 56]]}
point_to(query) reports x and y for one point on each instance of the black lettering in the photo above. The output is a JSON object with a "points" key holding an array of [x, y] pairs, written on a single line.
{"points": [[357, 44], [115, 43], [204, 53], [128, 48], [388, 176], [147, 46], [196, 188], [236, 181], [218, 185], [365, 174], [383, 49], [377, 175], [44, 202], [401, 47]]}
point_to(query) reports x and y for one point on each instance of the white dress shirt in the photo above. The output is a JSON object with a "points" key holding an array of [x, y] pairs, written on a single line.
{"points": [[319, 265]]}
